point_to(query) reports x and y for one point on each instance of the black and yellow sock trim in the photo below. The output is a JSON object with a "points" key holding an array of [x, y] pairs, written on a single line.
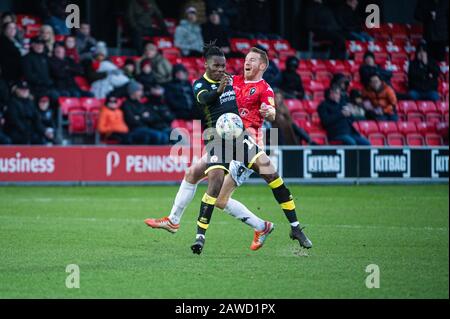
{"points": [[216, 167], [253, 160], [282, 194], [209, 199], [276, 183]]}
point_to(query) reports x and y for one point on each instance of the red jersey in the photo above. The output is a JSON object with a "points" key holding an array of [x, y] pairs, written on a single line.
{"points": [[249, 97]]}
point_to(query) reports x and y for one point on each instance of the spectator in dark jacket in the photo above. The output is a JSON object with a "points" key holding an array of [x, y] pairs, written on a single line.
{"points": [[423, 74], [291, 82], [4, 91], [63, 70], [213, 30], [434, 16], [369, 67], [10, 54], [179, 96], [47, 118], [4, 139], [141, 120], [351, 22], [337, 121], [321, 21], [23, 123], [146, 77], [37, 71], [85, 42]]}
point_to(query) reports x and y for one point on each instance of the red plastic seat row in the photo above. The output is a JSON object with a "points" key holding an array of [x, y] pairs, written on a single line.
{"points": [[85, 103]]}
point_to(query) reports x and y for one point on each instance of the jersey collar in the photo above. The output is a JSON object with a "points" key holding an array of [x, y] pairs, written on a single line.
{"points": [[208, 79]]}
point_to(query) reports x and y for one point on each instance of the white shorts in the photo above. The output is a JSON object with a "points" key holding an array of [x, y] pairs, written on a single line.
{"points": [[239, 172]]}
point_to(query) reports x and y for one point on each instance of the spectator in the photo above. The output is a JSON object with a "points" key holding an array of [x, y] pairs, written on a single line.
{"points": [[111, 123], [57, 19], [4, 139], [289, 133], [162, 69], [213, 30], [8, 17], [4, 91], [10, 53], [434, 16], [85, 42], [343, 82], [423, 75], [91, 65], [369, 67], [37, 71], [140, 119], [356, 105], [159, 107], [63, 70], [188, 35], [227, 10], [129, 68], [48, 36], [337, 120], [351, 21], [146, 77], [144, 19], [71, 49], [22, 119], [179, 96], [321, 21], [47, 119], [291, 82], [380, 98]]}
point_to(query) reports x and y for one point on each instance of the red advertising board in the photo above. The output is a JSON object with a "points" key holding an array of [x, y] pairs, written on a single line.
{"points": [[92, 164]]}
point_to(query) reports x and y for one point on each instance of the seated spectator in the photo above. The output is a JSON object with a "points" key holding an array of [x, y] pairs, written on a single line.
{"points": [[37, 71], [91, 65], [369, 67], [111, 123], [291, 82], [423, 76], [162, 69], [356, 105], [144, 18], [23, 124], [85, 42], [188, 35], [351, 21], [57, 18], [71, 49], [337, 121], [142, 122], [10, 53], [289, 133], [158, 106], [63, 71], [179, 95], [48, 37], [343, 82], [8, 17], [129, 68], [380, 99], [4, 139], [47, 119], [213, 30], [146, 77], [321, 21]]}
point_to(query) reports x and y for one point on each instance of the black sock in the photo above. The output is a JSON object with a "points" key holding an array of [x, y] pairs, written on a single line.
{"points": [[284, 198], [206, 210]]}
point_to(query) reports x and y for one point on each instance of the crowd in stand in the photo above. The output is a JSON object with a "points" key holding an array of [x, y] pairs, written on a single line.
{"points": [[144, 96]]}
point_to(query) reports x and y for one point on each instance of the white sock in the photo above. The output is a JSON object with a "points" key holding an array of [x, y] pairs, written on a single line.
{"points": [[185, 194], [239, 211]]}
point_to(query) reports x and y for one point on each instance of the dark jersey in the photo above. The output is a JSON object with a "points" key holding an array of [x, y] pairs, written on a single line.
{"points": [[214, 106]]}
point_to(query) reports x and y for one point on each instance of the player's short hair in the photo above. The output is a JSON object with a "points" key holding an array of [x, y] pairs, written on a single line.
{"points": [[263, 56], [210, 49]]}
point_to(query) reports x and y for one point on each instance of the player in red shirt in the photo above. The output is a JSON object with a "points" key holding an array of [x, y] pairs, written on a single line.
{"points": [[255, 100]]}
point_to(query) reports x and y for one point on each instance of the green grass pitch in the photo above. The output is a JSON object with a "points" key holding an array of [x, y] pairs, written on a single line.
{"points": [[402, 229]]}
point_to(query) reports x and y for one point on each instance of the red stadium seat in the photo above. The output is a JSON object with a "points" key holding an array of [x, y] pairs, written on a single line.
{"points": [[93, 116], [77, 121], [407, 107], [315, 119], [32, 30], [377, 139], [415, 117], [336, 66], [305, 75], [67, 103], [319, 138], [414, 140], [26, 19], [406, 127], [311, 106], [433, 140], [240, 45], [317, 65], [90, 102], [395, 139], [387, 127], [442, 107], [424, 128], [294, 105], [300, 116], [442, 130], [433, 117], [82, 83], [368, 127], [311, 128], [324, 75], [426, 106], [314, 86]]}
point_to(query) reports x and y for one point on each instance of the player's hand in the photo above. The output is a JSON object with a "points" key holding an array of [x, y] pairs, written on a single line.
{"points": [[268, 112], [226, 80]]}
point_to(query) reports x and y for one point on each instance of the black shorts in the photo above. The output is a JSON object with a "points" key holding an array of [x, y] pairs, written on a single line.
{"points": [[221, 152]]}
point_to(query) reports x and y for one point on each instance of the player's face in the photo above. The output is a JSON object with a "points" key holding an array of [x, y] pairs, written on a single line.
{"points": [[253, 66], [215, 67]]}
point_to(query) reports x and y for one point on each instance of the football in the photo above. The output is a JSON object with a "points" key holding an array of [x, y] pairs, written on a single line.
{"points": [[229, 126]]}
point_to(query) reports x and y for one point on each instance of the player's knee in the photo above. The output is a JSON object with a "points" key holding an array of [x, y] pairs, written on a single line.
{"points": [[190, 176]]}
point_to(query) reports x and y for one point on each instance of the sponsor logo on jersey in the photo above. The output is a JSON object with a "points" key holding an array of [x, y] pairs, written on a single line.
{"points": [[243, 112], [198, 85], [214, 87], [252, 91]]}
